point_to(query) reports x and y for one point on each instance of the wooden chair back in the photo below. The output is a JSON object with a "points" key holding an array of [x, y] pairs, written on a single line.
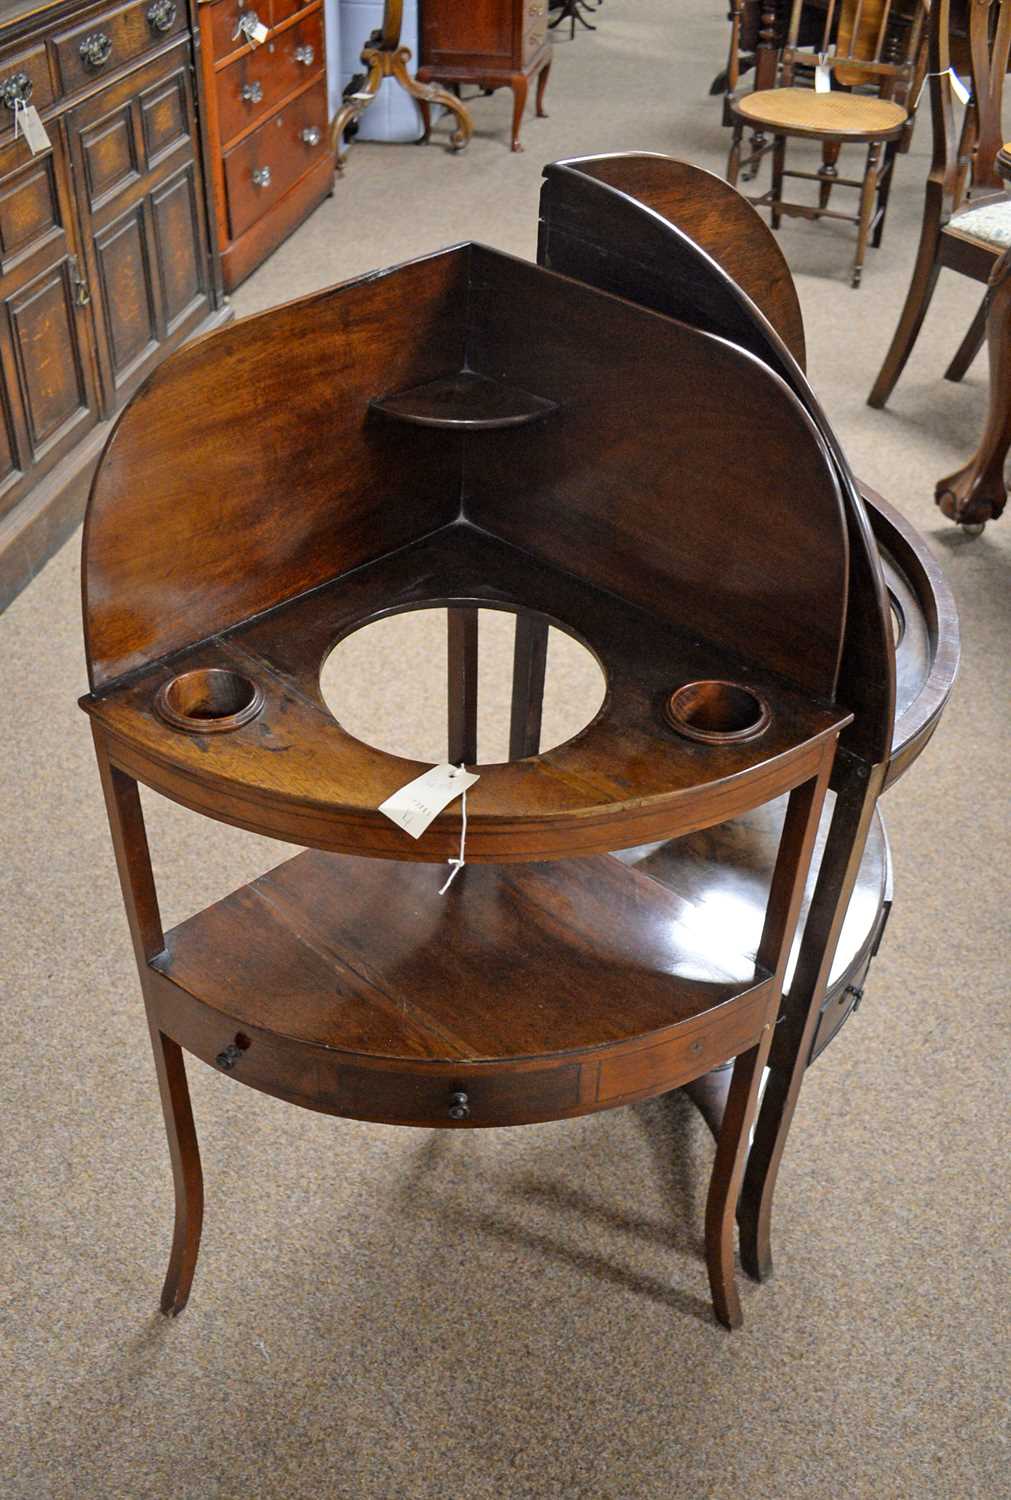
{"points": [[862, 42], [978, 44]]}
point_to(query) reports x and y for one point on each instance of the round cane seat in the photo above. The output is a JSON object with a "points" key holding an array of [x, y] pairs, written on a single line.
{"points": [[804, 112]]}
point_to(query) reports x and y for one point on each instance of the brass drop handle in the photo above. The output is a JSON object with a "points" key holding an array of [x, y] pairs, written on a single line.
{"points": [[261, 176], [459, 1106], [96, 49], [311, 135], [305, 55], [252, 92], [82, 292], [161, 16], [15, 90]]}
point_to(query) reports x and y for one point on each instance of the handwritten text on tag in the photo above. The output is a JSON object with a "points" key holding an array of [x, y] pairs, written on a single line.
{"points": [[28, 123], [412, 807]]}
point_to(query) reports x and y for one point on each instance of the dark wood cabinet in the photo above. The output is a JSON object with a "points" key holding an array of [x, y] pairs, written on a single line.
{"points": [[105, 256], [267, 138], [490, 43]]}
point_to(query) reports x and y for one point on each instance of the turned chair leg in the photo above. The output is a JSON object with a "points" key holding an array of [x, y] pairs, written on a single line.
{"points": [[734, 159], [828, 171], [921, 289], [976, 493], [970, 345], [884, 191], [725, 1185], [868, 194], [186, 1172], [778, 167]]}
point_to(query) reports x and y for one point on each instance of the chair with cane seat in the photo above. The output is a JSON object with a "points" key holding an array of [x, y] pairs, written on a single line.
{"points": [[873, 46]]}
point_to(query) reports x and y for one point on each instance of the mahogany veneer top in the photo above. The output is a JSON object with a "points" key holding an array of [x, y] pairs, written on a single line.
{"points": [[627, 777]]}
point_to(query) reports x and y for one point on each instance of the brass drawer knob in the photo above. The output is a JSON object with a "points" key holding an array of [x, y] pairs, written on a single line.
{"points": [[96, 49], [161, 16], [311, 135], [17, 89], [305, 55], [248, 23], [252, 92], [261, 176], [459, 1107]]}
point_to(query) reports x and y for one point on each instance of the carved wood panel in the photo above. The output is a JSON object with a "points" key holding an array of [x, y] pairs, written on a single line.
{"points": [[49, 358], [144, 226]]}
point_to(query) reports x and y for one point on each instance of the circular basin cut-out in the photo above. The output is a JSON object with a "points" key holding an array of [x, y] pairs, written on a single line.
{"points": [[387, 683], [209, 700], [718, 713]]}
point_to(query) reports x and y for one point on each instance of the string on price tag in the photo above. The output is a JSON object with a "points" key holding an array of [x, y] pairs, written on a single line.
{"points": [[958, 88], [28, 124], [414, 806]]}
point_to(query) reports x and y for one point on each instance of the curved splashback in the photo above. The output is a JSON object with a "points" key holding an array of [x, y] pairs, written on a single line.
{"points": [[677, 239]]}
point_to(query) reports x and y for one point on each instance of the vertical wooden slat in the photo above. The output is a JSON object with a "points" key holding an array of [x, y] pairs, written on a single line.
{"points": [[530, 655], [462, 685]]}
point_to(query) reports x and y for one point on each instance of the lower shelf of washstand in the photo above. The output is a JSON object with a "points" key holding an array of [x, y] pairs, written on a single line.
{"points": [[537, 991]]}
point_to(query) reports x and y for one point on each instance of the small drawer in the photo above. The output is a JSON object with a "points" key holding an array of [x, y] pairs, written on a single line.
{"points": [[262, 167], [839, 1005], [461, 1096], [25, 76], [251, 87], [645, 1071], [114, 37]]}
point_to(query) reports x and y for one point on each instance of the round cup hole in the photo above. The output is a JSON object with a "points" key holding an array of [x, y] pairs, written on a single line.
{"points": [[718, 713], [209, 700]]}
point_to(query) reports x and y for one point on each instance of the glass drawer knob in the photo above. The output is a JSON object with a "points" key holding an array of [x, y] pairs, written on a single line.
{"points": [[252, 92], [261, 176], [311, 135]]}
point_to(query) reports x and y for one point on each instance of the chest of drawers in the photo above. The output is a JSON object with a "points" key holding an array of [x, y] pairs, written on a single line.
{"points": [[266, 138], [105, 257], [490, 43]]}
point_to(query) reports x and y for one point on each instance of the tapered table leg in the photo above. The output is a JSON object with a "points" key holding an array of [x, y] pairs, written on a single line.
{"points": [[856, 796], [186, 1172]]}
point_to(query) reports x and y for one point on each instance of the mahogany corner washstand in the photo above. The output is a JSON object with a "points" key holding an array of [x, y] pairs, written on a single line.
{"points": [[466, 431]]}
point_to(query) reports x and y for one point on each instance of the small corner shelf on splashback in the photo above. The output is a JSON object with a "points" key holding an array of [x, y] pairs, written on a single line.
{"points": [[465, 400]]}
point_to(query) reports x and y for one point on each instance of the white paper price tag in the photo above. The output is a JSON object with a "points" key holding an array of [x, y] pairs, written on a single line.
{"points": [[28, 122], [958, 88], [414, 806], [822, 78]]}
